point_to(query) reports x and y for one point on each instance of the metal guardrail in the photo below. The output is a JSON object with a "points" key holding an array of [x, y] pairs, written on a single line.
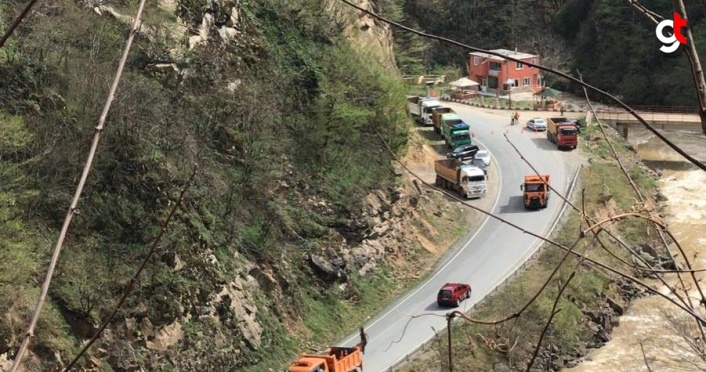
{"points": [[662, 109], [406, 358]]}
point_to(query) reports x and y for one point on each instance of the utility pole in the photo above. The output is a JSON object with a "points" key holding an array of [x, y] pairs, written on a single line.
{"points": [[449, 318]]}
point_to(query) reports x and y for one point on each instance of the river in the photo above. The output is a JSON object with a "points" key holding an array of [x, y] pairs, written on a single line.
{"points": [[652, 324]]}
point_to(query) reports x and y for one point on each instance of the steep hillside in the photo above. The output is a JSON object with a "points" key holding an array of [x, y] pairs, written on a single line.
{"points": [[287, 231]]}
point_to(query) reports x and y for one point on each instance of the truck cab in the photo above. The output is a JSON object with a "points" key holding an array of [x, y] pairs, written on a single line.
{"points": [[459, 134], [427, 107], [535, 191], [563, 132], [335, 359], [421, 108], [308, 365], [473, 181]]}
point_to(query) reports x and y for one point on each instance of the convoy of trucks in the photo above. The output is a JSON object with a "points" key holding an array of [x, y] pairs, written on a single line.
{"points": [[421, 107], [563, 132], [535, 191], [468, 180], [336, 359]]}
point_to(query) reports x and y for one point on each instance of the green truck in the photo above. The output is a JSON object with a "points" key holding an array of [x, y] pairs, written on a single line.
{"points": [[451, 128], [457, 134]]}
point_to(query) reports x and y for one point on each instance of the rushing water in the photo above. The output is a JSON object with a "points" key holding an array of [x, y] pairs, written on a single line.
{"points": [[652, 331]]}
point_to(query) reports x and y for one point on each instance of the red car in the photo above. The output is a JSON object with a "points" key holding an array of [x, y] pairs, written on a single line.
{"points": [[453, 293]]}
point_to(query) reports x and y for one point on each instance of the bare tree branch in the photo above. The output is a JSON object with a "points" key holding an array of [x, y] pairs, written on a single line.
{"points": [[692, 55], [696, 70], [79, 189], [136, 276], [644, 357], [549, 321], [642, 200], [16, 22], [654, 17]]}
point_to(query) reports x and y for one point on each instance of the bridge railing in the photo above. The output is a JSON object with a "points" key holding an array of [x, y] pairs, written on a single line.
{"points": [[660, 109], [650, 116]]}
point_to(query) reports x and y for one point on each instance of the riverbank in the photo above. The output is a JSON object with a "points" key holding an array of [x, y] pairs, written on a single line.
{"points": [[593, 300], [652, 329]]}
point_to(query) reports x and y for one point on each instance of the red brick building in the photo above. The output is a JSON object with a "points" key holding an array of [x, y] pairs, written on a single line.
{"points": [[499, 74]]}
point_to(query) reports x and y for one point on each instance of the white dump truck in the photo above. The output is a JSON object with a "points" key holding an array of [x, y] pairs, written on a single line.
{"points": [[421, 108], [468, 180]]}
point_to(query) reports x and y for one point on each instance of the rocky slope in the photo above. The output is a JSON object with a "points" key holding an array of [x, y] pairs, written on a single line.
{"points": [[297, 225]]}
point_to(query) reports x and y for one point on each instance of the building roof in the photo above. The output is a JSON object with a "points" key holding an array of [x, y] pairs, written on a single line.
{"points": [[505, 52]]}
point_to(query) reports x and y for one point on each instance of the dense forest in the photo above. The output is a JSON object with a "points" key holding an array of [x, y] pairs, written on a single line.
{"points": [[611, 43]]}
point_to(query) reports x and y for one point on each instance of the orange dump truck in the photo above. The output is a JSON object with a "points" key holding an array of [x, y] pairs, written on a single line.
{"points": [[536, 191], [336, 359]]}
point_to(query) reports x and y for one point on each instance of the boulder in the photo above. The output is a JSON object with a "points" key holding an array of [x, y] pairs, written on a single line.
{"points": [[243, 312], [617, 308], [649, 250], [324, 267], [166, 337]]}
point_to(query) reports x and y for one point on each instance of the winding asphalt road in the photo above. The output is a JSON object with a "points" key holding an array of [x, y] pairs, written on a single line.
{"points": [[485, 257]]}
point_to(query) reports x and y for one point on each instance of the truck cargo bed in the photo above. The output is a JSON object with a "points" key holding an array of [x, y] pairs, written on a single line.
{"points": [[447, 169]]}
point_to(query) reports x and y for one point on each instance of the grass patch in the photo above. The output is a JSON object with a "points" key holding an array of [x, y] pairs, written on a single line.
{"points": [[607, 192]]}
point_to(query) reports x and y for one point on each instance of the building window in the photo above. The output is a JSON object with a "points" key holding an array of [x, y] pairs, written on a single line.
{"points": [[520, 65], [539, 79], [493, 82], [495, 66], [534, 61], [526, 82], [476, 61], [516, 83]]}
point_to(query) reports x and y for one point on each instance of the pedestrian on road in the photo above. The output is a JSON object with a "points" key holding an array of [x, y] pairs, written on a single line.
{"points": [[517, 117], [561, 110], [512, 119]]}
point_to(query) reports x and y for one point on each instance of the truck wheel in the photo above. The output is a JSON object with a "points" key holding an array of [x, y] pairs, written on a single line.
{"points": [[439, 181], [458, 303]]}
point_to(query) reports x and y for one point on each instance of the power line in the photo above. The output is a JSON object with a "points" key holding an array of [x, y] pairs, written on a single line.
{"points": [[553, 312], [136, 276], [649, 127], [79, 190], [16, 22], [597, 263]]}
